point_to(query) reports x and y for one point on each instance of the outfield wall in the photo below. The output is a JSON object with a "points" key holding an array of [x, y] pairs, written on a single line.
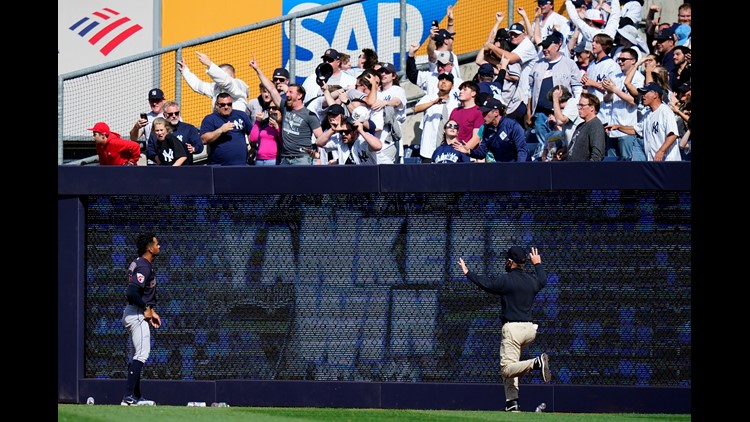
{"points": [[337, 286]]}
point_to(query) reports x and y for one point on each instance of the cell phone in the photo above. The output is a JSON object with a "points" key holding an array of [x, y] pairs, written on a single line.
{"points": [[435, 23], [144, 116], [307, 150]]}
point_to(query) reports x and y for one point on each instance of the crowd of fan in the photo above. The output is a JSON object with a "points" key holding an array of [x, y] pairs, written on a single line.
{"points": [[594, 87]]}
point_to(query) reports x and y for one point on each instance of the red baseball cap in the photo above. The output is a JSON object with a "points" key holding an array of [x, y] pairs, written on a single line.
{"points": [[100, 127]]}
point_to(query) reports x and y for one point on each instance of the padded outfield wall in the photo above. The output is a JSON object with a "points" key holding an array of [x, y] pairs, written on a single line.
{"points": [[338, 286]]}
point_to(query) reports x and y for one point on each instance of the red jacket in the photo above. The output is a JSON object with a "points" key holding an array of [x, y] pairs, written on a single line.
{"points": [[117, 151]]}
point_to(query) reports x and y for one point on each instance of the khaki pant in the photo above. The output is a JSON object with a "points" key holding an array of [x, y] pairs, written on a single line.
{"points": [[516, 336]]}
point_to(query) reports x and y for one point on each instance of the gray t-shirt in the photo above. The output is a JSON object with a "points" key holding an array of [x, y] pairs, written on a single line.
{"points": [[297, 131]]}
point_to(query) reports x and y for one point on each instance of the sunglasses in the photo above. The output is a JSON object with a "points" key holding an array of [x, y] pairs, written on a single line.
{"points": [[451, 126], [328, 60], [279, 79], [224, 104], [176, 113]]}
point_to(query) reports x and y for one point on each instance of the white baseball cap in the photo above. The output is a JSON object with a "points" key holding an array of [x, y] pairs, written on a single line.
{"points": [[361, 114]]}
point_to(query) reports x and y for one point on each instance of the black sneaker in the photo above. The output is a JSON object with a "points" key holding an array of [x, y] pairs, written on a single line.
{"points": [[129, 401], [512, 406], [544, 363]]}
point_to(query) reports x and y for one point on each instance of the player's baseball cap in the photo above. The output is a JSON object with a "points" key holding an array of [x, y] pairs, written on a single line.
{"points": [[516, 254], [651, 86], [281, 72], [517, 28], [490, 103], [155, 94], [100, 127]]}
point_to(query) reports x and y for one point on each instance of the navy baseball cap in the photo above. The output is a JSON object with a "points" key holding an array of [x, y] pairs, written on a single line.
{"points": [[665, 34], [541, 3], [442, 35], [331, 54], [517, 28], [490, 103], [651, 86], [486, 69], [156, 94], [280, 71], [336, 109], [516, 254], [553, 38]]}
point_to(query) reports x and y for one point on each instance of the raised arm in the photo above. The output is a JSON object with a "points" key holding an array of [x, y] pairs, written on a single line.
{"points": [[270, 86]]}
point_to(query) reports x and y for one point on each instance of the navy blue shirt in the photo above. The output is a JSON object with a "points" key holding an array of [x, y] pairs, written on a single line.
{"points": [[230, 149], [141, 273], [445, 153], [507, 142], [186, 133]]}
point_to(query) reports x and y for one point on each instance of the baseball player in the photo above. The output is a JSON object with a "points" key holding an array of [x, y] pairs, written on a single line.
{"points": [[139, 315]]}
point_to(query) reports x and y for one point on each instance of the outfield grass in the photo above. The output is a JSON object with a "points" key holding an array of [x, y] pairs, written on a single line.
{"points": [[115, 413]]}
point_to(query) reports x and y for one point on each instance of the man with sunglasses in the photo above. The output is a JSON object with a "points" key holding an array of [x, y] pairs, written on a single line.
{"points": [[619, 144], [185, 132], [225, 133], [338, 77]]}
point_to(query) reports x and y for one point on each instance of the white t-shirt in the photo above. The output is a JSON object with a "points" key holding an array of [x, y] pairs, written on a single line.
{"points": [[623, 113], [529, 56]]}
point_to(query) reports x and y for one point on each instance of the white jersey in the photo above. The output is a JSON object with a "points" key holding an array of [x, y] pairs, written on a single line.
{"points": [[606, 68], [432, 121], [654, 128]]}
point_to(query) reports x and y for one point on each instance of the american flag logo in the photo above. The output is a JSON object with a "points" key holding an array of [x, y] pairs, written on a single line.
{"points": [[103, 23]]}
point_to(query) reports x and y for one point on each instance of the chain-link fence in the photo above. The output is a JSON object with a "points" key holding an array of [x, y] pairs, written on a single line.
{"points": [[366, 287]]}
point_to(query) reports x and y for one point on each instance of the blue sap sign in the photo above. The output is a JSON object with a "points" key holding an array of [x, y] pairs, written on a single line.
{"points": [[371, 24]]}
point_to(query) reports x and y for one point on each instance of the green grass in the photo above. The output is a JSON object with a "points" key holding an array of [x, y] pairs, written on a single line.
{"points": [[115, 413]]}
